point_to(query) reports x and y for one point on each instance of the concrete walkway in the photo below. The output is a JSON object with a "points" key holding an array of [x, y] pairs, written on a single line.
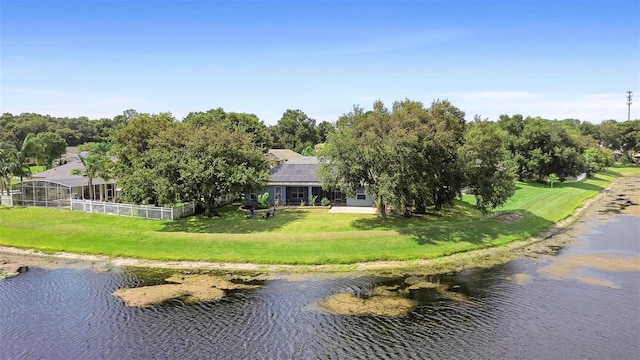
{"points": [[352, 210]]}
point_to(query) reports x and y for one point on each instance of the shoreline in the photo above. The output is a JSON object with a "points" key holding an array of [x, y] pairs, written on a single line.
{"points": [[559, 234]]}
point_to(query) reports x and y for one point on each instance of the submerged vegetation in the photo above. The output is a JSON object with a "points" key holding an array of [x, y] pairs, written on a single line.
{"points": [[301, 236]]}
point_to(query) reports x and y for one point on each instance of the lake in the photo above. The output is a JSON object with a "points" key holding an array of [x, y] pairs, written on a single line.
{"points": [[576, 301]]}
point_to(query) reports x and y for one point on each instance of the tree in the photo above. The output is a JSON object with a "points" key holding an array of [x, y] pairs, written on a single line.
{"points": [[405, 157], [447, 169], [9, 160], [597, 158], [545, 147], [204, 162], [356, 156], [211, 168], [630, 136], [201, 159], [53, 147], [487, 174], [249, 123], [252, 125], [609, 134], [130, 144], [295, 131], [324, 129], [96, 164]]}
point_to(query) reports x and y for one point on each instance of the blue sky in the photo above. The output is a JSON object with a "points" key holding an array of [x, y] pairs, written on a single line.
{"points": [[556, 59]]}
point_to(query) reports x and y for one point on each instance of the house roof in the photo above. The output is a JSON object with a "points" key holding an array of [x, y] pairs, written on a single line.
{"points": [[282, 154], [63, 174], [300, 170]]}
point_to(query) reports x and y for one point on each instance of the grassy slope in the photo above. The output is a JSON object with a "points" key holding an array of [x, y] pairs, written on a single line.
{"points": [[306, 236]]}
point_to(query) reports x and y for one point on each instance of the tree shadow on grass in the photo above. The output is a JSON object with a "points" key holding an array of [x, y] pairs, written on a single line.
{"points": [[461, 210], [230, 220], [481, 232]]}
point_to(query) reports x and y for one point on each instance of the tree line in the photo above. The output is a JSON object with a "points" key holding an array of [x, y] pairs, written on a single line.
{"points": [[414, 157], [410, 156]]}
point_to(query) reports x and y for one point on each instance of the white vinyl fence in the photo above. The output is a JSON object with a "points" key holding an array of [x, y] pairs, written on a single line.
{"points": [[6, 200], [141, 211]]}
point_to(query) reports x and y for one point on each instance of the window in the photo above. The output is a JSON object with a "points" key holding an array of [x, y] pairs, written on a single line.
{"points": [[360, 195], [297, 193]]}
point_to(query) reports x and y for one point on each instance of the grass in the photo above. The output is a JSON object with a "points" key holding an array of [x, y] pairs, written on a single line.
{"points": [[298, 236], [34, 170]]}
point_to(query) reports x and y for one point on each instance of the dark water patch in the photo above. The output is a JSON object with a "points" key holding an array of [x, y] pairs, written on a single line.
{"points": [[507, 311]]}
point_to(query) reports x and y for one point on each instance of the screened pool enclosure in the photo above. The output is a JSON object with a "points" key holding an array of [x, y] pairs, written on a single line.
{"points": [[43, 193]]}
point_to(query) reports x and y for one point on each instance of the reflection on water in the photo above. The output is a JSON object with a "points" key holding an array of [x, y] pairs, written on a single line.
{"points": [[509, 311]]}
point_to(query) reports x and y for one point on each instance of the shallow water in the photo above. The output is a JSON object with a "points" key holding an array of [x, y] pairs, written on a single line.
{"points": [[508, 311]]}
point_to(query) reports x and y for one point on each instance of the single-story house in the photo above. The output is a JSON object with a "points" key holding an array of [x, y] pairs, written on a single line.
{"points": [[280, 156], [63, 174], [297, 181], [57, 186]]}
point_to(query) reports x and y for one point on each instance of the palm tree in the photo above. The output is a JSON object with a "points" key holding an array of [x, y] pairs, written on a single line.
{"points": [[32, 148], [9, 158], [97, 164]]}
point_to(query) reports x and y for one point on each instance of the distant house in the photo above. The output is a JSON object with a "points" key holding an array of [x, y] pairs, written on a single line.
{"points": [[280, 156], [297, 181], [57, 186], [78, 184]]}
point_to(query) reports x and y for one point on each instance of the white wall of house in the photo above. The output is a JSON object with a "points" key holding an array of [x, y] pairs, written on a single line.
{"points": [[363, 199]]}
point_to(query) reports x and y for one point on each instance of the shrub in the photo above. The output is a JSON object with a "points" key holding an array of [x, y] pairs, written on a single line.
{"points": [[302, 203], [312, 200], [263, 200], [325, 201]]}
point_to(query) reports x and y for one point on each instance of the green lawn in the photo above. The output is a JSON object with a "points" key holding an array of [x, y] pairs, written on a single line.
{"points": [[298, 236], [34, 170]]}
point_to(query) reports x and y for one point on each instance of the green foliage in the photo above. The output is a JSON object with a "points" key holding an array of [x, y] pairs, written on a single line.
{"points": [[487, 172], [308, 151], [53, 147], [325, 128], [540, 147], [263, 200], [553, 178], [243, 121], [295, 131], [74, 131], [202, 159], [325, 201], [33, 148], [302, 203], [135, 169], [597, 158], [405, 156], [9, 160], [312, 200]]}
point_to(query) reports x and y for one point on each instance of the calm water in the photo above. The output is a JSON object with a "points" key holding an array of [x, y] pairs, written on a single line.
{"points": [[71, 314]]}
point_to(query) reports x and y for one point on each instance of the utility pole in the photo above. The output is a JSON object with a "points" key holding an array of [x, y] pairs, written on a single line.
{"points": [[629, 96]]}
